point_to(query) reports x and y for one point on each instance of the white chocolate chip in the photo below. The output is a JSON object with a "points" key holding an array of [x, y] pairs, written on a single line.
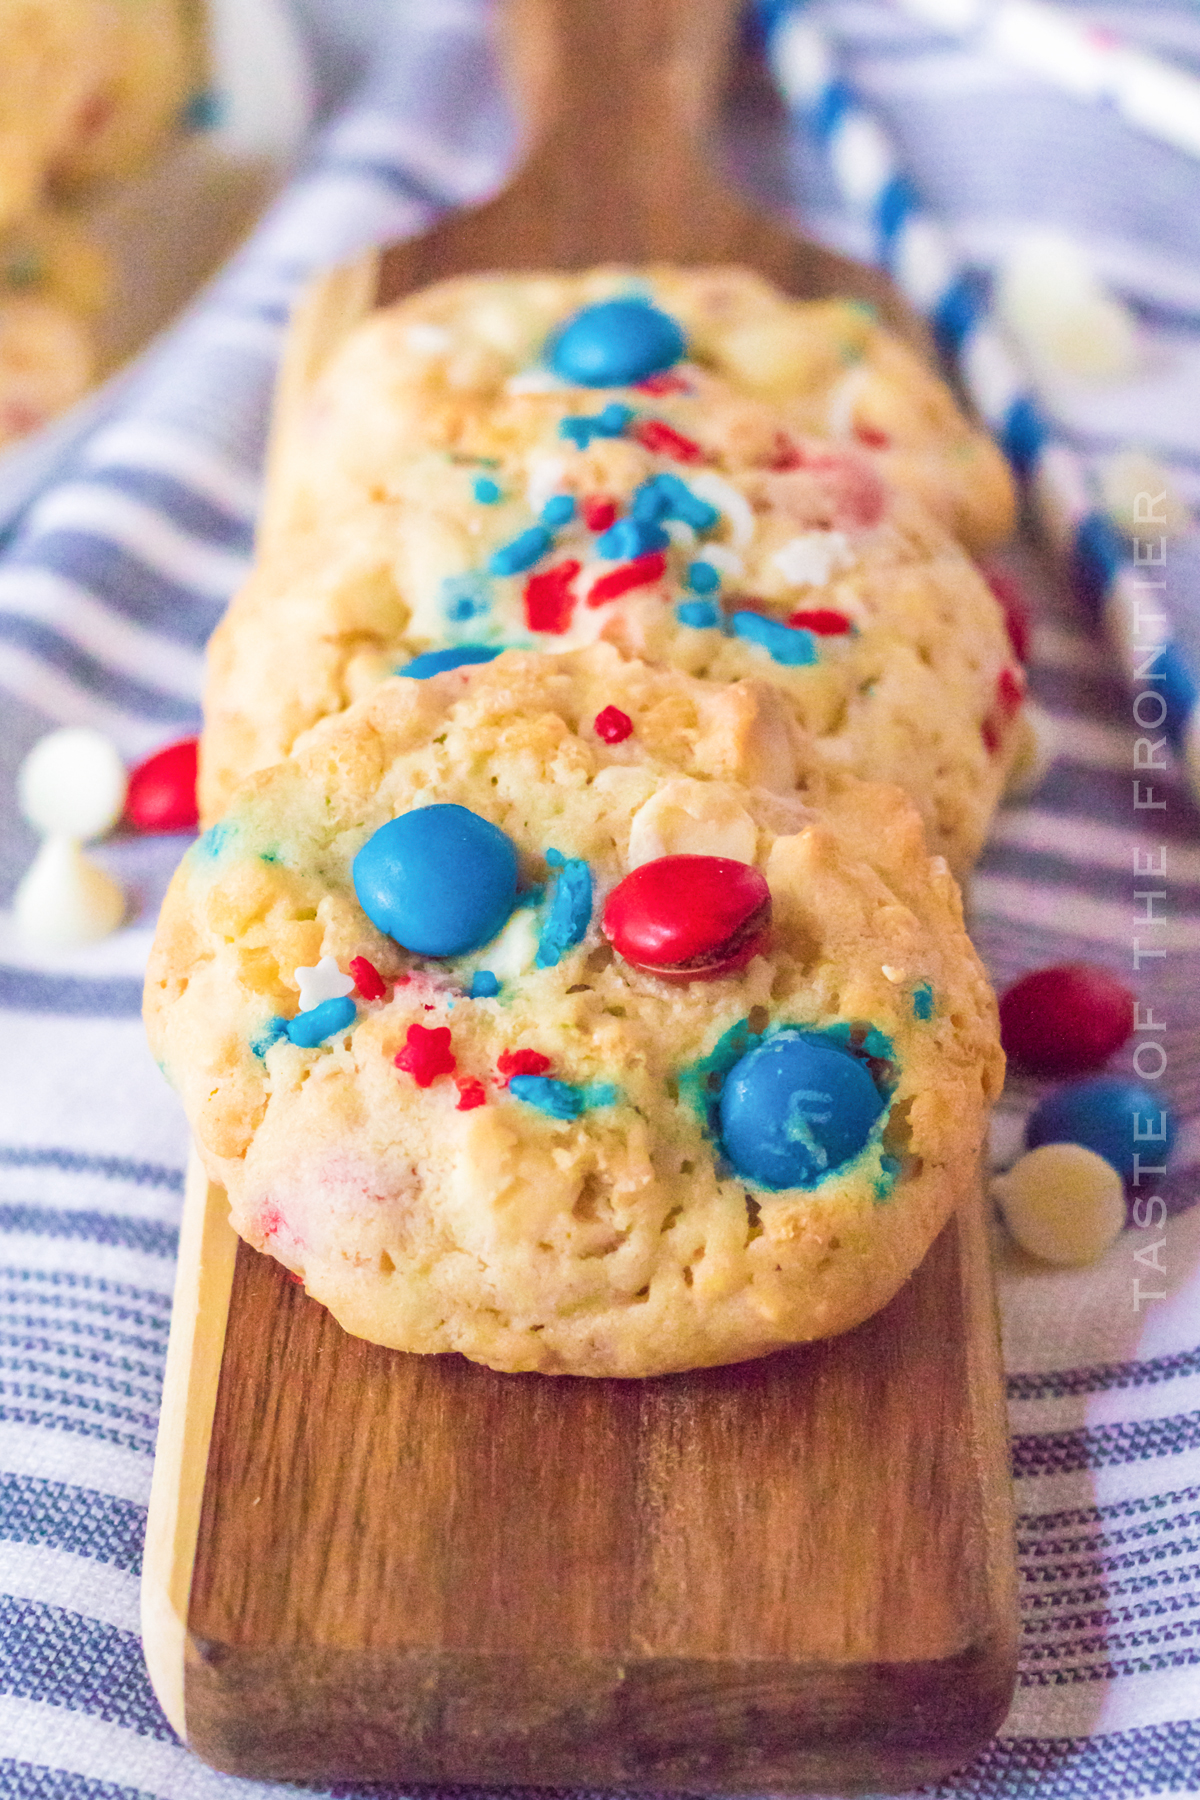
{"points": [[64, 899], [811, 558], [1062, 1203], [426, 339], [513, 951], [891, 973], [72, 783], [691, 818]]}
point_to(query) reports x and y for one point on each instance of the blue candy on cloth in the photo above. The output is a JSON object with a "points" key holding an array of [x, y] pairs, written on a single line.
{"points": [[796, 1108], [616, 342], [1117, 1118], [441, 880]]}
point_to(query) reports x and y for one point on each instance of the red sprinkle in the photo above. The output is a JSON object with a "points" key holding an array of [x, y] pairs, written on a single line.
{"points": [[470, 1093], [549, 601], [369, 981], [162, 790], [872, 437], [666, 382], [1015, 607], [1010, 691], [641, 572], [521, 1062], [599, 512], [823, 620], [426, 1054], [785, 455], [613, 725], [292, 1276], [662, 439], [991, 737]]}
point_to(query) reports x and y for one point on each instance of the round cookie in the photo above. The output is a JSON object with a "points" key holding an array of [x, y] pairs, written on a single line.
{"points": [[515, 1151], [562, 516], [424, 369]]}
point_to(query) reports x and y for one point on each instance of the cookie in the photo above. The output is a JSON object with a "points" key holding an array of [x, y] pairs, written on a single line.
{"points": [[504, 1007], [755, 363], [554, 517], [90, 90]]}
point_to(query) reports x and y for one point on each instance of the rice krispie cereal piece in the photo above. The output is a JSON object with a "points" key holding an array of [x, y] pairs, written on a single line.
{"points": [[562, 1012], [552, 516]]}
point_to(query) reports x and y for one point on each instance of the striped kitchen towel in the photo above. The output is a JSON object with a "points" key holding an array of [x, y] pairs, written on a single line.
{"points": [[109, 583]]}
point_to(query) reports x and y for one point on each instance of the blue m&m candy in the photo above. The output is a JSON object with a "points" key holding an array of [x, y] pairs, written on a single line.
{"points": [[1117, 1118], [795, 1108], [616, 342], [440, 880]]}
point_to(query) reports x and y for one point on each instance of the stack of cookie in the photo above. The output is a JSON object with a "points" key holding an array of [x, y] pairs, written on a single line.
{"points": [[90, 90], [573, 974]]}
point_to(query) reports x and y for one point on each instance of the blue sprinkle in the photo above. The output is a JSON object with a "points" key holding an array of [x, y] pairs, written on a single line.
{"points": [[581, 428], [521, 553], [783, 643], [308, 1029], [559, 510], [212, 841], [204, 110], [667, 496], [558, 1098], [570, 910], [436, 662], [555, 858], [270, 1034], [601, 1093], [484, 985], [485, 490], [466, 596], [629, 538], [702, 578], [885, 1181], [922, 1001], [699, 614]]}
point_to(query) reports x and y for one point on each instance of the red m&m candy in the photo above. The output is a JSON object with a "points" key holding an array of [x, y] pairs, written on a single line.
{"points": [[689, 918], [162, 790], [1065, 1020]]}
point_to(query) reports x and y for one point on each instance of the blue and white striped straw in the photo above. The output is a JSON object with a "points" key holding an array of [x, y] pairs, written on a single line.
{"points": [[1125, 595]]}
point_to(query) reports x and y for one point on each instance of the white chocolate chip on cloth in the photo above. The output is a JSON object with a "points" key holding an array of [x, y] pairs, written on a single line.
{"points": [[638, 1095], [551, 516]]}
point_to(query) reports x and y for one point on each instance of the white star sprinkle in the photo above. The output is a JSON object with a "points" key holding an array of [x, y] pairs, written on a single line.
{"points": [[324, 982]]}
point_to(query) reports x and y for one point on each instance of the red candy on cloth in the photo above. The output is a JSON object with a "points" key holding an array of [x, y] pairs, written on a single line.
{"points": [[162, 790], [689, 918], [426, 1054], [1065, 1020]]}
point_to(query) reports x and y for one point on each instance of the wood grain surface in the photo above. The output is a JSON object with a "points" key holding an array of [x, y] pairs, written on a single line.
{"points": [[790, 1575]]}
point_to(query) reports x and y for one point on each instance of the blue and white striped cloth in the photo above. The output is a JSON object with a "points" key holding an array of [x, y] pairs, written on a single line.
{"points": [[109, 583]]}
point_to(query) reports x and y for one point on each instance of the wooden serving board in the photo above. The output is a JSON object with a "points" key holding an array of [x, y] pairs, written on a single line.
{"points": [[790, 1575]]}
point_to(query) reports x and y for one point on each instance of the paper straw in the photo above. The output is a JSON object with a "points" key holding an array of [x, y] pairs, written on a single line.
{"points": [[1127, 598]]}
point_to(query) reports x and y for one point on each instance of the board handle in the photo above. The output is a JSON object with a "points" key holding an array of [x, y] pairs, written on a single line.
{"points": [[618, 99]]}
